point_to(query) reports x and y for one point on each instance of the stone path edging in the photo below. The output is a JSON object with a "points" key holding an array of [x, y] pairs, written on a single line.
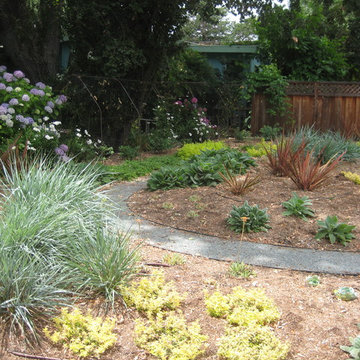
{"points": [[334, 262]]}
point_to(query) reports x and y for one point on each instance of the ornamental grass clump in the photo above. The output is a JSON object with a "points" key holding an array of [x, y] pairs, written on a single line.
{"points": [[65, 232], [248, 218], [83, 335], [152, 295], [170, 337]]}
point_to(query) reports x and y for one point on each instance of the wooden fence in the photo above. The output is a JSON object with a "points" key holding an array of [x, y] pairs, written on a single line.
{"points": [[324, 105]]}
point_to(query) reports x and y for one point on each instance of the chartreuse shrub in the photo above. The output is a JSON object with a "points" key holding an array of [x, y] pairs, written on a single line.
{"points": [[170, 338], [83, 335], [188, 151], [242, 307], [298, 206], [260, 148], [251, 343], [355, 178], [174, 259], [152, 294], [331, 229], [201, 170], [248, 218]]}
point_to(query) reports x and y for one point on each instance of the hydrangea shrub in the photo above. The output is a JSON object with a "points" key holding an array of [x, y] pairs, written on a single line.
{"points": [[29, 110]]}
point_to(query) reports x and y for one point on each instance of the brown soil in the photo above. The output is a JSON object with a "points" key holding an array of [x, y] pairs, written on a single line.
{"points": [[205, 209], [313, 320]]}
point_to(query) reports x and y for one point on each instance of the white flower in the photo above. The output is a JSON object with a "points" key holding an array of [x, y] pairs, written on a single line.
{"points": [[3, 117], [48, 137], [13, 148], [11, 111], [9, 89], [52, 127], [190, 134], [9, 123], [78, 130], [45, 118], [36, 129], [17, 89], [99, 141], [78, 134], [216, 134], [89, 142], [86, 132]]}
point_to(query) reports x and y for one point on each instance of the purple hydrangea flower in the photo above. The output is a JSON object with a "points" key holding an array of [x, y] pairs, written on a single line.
{"points": [[50, 104], [60, 100], [34, 91], [10, 110], [19, 74], [5, 105], [25, 97], [20, 118], [3, 68], [40, 85], [27, 80], [64, 148], [8, 77], [9, 89], [65, 158], [14, 101], [29, 120], [2, 86], [59, 151], [48, 109], [3, 110]]}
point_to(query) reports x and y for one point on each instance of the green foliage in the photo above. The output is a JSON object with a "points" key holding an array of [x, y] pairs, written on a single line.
{"points": [[355, 178], [269, 81], [346, 293], [298, 42], [334, 231], [61, 223], [174, 259], [188, 151], [242, 270], [83, 335], [152, 295], [270, 132], [201, 170], [313, 280], [354, 349], [158, 142], [298, 206], [248, 218], [242, 307], [260, 149], [130, 170], [128, 152], [326, 145], [241, 135], [170, 338], [251, 343]]}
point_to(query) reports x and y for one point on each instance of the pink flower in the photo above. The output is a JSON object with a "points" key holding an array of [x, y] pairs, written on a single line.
{"points": [[194, 100], [178, 102]]}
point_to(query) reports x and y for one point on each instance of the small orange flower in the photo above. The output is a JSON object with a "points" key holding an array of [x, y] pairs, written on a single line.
{"points": [[244, 219]]}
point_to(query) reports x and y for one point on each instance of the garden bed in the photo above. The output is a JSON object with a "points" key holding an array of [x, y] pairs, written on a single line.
{"points": [[205, 209], [312, 319]]}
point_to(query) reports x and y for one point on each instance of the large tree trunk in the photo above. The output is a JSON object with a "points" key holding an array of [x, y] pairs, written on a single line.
{"points": [[31, 36]]}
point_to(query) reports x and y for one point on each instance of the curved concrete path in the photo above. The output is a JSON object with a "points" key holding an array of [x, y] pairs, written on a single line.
{"points": [[274, 256]]}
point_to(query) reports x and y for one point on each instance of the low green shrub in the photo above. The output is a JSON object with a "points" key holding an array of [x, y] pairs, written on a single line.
{"points": [[128, 152], [83, 335], [334, 231], [248, 218], [158, 142], [354, 349], [201, 170], [270, 132], [258, 343], [170, 338], [241, 269], [188, 151], [241, 135], [152, 295], [242, 307], [298, 206]]}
